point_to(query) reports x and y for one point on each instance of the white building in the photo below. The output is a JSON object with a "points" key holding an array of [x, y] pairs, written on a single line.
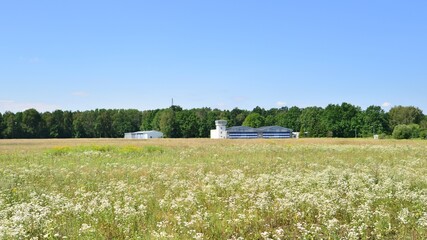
{"points": [[295, 135], [221, 129], [144, 135]]}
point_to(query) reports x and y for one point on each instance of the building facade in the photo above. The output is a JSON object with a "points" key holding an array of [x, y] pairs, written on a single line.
{"points": [[221, 129], [242, 132], [144, 135]]}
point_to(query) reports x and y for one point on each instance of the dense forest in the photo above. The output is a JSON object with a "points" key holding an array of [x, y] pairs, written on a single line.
{"points": [[345, 120]]}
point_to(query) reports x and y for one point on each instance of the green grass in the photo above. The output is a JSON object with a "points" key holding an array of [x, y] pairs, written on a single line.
{"points": [[210, 189]]}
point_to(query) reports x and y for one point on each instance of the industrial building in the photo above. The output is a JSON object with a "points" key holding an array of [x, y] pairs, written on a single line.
{"points": [[144, 135], [242, 132]]}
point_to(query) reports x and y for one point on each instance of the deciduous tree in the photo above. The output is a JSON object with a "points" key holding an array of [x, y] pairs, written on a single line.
{"points": [[374, 121], [254, 120], [311, 122], [404, 115], [31, 123]]}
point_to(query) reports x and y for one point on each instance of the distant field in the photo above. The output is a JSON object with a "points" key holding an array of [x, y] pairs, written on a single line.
{"points": [[213, 189]]}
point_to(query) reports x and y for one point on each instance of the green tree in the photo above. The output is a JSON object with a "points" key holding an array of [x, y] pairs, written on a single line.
{"points": [[259, 110], [423, 123], [403, 131], [204, 116], [189, 124], [311, 122], [67, 119], [168, 124], [155, 123], [270, 120], [55, 124], [84, 124], [240, 118], [58, 119], [103, 123], [12, 125], [237, 117], [374, 121], [351, 119], [342, 120], [423, 128], [404, 115], [176, 108], [212, 115], [126, 121], [415, 129], [147, 118], [332, 120], [1, 125], [31, 123], [254, 120], [78, 125], [270, 116], [48, 122], [289, 118]]}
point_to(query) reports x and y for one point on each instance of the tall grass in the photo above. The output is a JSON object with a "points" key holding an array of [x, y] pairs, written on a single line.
{"points": [[207, 189]]}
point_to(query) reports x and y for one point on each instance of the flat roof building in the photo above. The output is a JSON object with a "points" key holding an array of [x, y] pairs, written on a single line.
{"points": [[262, 132], [144, 135], [243, 132]]}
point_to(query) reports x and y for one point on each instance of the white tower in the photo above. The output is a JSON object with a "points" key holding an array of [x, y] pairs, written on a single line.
{"points": [[221, 129]]}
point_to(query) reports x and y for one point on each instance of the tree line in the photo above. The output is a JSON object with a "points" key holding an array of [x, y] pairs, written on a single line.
{"points": [[335, 120]]}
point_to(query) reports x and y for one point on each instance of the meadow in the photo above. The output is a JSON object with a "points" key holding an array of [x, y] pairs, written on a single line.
{"points": [[213, 189]]}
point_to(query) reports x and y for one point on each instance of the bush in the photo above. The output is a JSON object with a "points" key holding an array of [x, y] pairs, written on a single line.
{"points": [[423, 134], [401, 132], [415, 128], [406, 131], [384, 136]]}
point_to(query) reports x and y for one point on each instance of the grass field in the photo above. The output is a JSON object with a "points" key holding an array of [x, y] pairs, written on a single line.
{"points": [[213, 189]]}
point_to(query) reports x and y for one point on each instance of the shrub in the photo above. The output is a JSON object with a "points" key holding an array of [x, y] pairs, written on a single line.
{"points": [[403, 131], [384, 136], [415, 129]]}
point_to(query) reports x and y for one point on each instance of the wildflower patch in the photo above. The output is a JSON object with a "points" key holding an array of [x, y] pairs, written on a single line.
{"points": [[185, 189]]}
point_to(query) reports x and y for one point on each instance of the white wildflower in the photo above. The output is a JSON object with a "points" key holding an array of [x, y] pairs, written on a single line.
{"points": [[198, 236], [422, 221], [85, 228], [265, 235], [403, 215]]}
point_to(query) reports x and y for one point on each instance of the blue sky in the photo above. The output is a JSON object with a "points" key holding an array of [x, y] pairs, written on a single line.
{"points": [[80, 55]]}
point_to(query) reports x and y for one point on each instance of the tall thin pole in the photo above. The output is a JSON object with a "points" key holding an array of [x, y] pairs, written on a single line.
{"points": [[172, 101]]}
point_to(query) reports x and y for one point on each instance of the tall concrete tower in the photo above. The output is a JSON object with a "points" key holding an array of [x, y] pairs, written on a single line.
{"points": [[221, 129]]}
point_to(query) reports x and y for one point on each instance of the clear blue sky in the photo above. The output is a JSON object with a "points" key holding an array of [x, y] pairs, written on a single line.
{"points": [[80, 55]]}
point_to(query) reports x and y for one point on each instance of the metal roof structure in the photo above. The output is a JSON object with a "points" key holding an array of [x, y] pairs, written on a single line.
{"points": [[274, 129], [241, 129], [244, 132], [150, 131], [259, 130], [144, 134]]}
